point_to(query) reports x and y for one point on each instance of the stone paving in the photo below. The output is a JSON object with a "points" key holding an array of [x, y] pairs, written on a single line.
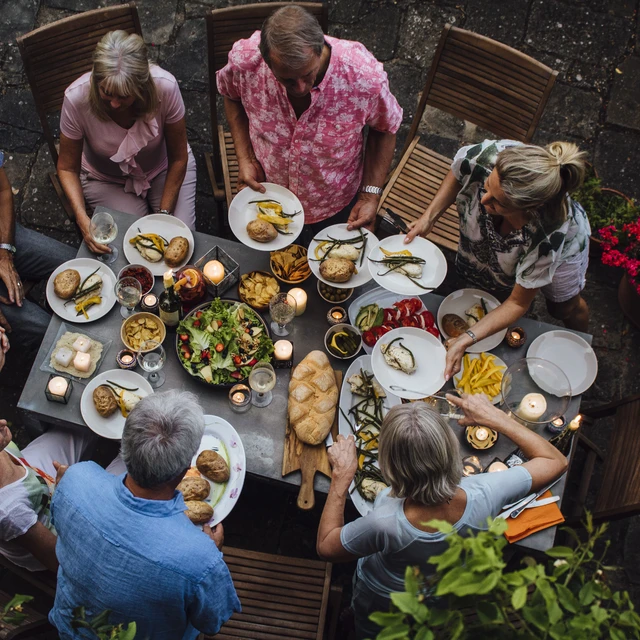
{"points": [[595, 102]]}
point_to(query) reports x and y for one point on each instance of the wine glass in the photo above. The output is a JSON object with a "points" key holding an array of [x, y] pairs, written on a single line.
{"points": [[282, 308], [103, 229], [262, 379], [129, 293], [151, 358]]}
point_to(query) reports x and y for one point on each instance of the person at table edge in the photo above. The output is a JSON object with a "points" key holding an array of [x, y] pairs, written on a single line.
{"points": [[123, 138], [519, 232], [297, 102]]}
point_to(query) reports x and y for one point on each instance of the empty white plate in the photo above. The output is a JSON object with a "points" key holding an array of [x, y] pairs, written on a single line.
{"points": [[571, 354]]}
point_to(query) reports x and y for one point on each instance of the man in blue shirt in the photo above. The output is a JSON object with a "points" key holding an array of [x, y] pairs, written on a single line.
{"points": [[124, 542]]}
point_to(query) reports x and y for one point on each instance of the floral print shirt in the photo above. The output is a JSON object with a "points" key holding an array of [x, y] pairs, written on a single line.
{"points": [[529, 256], [320, 155]]}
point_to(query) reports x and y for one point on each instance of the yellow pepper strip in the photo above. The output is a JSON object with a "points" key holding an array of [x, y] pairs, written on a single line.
{"points": [[318, 248], [82, 307], [276, 208], [404, 252], [361, 460], [273, 219]]}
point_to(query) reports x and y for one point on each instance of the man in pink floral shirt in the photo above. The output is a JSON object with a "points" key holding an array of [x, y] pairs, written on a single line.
{"points": [[297, 102]]}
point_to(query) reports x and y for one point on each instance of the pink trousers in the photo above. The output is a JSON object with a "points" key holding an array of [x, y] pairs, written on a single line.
{"points": [[112, 195]]}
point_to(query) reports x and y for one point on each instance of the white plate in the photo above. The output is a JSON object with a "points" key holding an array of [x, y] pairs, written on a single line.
{"points": [[340, 232], [242, 212], [433, 272], [85, 267], [382, 298], [571, 354], [458, 302], [430, 356], [168, 227], [112, 426], [498, 361], [223, 497], [347, 400]]}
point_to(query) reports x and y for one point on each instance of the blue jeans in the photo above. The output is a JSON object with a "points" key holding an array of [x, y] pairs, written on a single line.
{"points": [[37, 256]]}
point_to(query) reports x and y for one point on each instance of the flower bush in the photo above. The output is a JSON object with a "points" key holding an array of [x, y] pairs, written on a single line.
{"points": [[621, 248]]}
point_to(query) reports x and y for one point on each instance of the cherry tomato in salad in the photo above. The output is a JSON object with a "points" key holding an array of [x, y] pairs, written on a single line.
{"points": [[196, 323], [236, 374], [219, 347], [220, 323], [369, 338], [184, 337], [198, 314], [237, 360], [205, 355]]}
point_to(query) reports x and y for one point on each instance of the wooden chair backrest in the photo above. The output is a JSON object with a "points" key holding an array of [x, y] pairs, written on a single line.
{"points": [[58, 53], [487, 83], [224, 28]]}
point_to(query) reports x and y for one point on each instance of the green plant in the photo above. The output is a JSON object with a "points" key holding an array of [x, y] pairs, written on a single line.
{"points": [[12, 612], [603, 207], [569, 599], [100, 626]]}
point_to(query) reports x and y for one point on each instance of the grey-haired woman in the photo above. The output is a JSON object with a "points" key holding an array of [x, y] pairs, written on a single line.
{"points": [[420, 459]]}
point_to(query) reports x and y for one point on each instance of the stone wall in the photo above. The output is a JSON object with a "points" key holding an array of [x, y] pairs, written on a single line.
{"points": [[592, 43]]}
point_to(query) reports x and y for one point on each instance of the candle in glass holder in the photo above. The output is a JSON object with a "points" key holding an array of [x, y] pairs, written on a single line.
{"points": [[214, 270], [532, 407], [58, 389], [557, 425], [471, 466], [240, 398], [126, 359], [336, 315], [150, 303], [282, 350], [516, 337], [300, 296]]}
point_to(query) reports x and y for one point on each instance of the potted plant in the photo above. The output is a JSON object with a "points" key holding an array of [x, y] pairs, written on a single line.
{"points": [[621, 248], [477, 598], [603, 206]]}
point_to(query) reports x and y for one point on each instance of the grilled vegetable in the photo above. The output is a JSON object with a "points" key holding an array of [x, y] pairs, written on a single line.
{"points": [[150, 245], [398, 356]]}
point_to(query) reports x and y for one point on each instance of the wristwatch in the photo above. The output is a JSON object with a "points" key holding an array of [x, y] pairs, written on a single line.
{"points": [[8, 247], [368, 188], [472, 336]]}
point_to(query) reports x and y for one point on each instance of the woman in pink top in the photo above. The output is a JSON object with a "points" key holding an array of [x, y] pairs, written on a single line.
{"points": [[123, 138]]}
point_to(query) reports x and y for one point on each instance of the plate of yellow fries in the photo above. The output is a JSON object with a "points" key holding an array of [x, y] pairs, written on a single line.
{"points": [[481, 373], [277, 204]]}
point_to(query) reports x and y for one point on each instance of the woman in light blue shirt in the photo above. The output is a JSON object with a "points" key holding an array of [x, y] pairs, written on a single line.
{"points": [[420, 459]]}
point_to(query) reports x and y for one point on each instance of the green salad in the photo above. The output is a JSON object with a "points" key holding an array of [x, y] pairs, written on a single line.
{"points": [[221, 343]]}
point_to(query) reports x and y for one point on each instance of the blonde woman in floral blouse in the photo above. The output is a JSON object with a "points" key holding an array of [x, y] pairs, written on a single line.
{"points": [[520, 232]]}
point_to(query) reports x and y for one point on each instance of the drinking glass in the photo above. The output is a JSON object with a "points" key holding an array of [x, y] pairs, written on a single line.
{"points": [[151, 358], [282, 308], [129, 293], [261, 380], [103, 229]]}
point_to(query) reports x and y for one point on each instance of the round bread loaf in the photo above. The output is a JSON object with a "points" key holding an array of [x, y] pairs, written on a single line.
{"points": [[176, 252], [198, 512], [66, 283], [453, 325], [261, 231], [337, 269], [313, 396], [194, 488], [213, 466], [104, 401]]}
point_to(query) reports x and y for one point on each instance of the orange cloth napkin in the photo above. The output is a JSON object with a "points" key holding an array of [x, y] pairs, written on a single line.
{"points": [[532, 520]]}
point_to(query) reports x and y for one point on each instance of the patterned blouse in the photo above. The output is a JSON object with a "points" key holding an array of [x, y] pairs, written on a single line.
{"points": [[529, 256], [319, 156]]}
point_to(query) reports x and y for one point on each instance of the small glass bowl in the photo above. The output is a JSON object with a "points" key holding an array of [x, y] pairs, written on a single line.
{"points": [[343, 327]]}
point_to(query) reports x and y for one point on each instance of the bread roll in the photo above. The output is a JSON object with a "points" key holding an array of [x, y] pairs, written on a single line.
{"points": [[198, 512], [66, 283], [176, 252], [104, 401], [194, 488], [313, 396], [261, 231], [337, 269], [453, 325], [213, 466]]}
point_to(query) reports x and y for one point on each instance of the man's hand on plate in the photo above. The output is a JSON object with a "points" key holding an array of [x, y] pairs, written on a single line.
{"points": [[215, 533], [251, 174], [364, 212], [11, 279]]}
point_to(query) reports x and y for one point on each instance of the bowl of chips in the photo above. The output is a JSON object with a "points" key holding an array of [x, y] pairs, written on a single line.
{"points": [[140, 327], [290, 265], [256, 288]]}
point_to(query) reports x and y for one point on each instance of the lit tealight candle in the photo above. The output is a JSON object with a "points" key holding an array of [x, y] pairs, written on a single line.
{"points": [[214, 270], [532, 407], [282, 350], [127, 359], [471, 465], [82, 361], [516, 337], [575, 423], [240, 398], [58, 386], [300, 296], [482, 434]]}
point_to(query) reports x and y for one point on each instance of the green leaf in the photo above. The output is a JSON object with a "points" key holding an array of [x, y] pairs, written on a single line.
{"points": [[386, 619], [599, 614], [554, 612], [488, 612], [567, 599], [441, 525], [446, 559], [536, 616], [411, 581], [424, 634], [519, 597], [514, 579], [129, 633], [617, 634], [396, 632], [101, 619], [405, 602], [586, 596], [560, 552]]}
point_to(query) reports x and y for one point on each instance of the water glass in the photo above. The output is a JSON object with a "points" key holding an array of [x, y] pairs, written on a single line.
{"points": [[261, 380], [104, 230], [151, 358], [282, 308], [128, 293]]}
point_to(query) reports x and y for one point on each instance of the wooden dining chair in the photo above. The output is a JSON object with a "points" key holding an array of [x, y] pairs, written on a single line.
{"points": [[479, 80], [56, 54], [281, 597], [619, 491], [224, 28]]}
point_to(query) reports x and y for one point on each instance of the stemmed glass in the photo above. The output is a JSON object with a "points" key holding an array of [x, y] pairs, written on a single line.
{"points": [[262, 379], [151, 358], [103, 229], [282, 308], [129, 293]]}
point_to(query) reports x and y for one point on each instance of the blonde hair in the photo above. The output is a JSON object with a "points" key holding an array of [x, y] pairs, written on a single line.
{"points": [[419, 455], [120, 62], [539, 178]]}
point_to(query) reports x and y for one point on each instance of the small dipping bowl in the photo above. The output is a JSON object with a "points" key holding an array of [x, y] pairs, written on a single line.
{"points": [[333, 294], [141, 274], [349, 329]]}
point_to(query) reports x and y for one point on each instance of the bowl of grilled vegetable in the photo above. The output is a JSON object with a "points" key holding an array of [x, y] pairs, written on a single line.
{"points": [[343, 341], [333, 294], [291, 264]]}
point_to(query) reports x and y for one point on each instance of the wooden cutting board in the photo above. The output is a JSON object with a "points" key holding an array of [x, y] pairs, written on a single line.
{"points": [[308, 459]]}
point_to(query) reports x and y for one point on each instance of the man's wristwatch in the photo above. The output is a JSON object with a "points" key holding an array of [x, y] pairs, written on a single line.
{"points": [[368, 188], [8, 247]]}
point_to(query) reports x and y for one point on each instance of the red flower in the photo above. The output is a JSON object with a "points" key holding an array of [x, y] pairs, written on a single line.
{"points": [[621, 248]]}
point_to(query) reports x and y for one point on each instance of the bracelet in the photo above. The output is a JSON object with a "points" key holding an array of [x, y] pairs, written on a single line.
{"points": [[472, 336], [164, 211], [367, 188]]}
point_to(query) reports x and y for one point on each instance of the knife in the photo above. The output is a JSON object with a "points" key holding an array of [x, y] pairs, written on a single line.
{"points": [[514, 513]]}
